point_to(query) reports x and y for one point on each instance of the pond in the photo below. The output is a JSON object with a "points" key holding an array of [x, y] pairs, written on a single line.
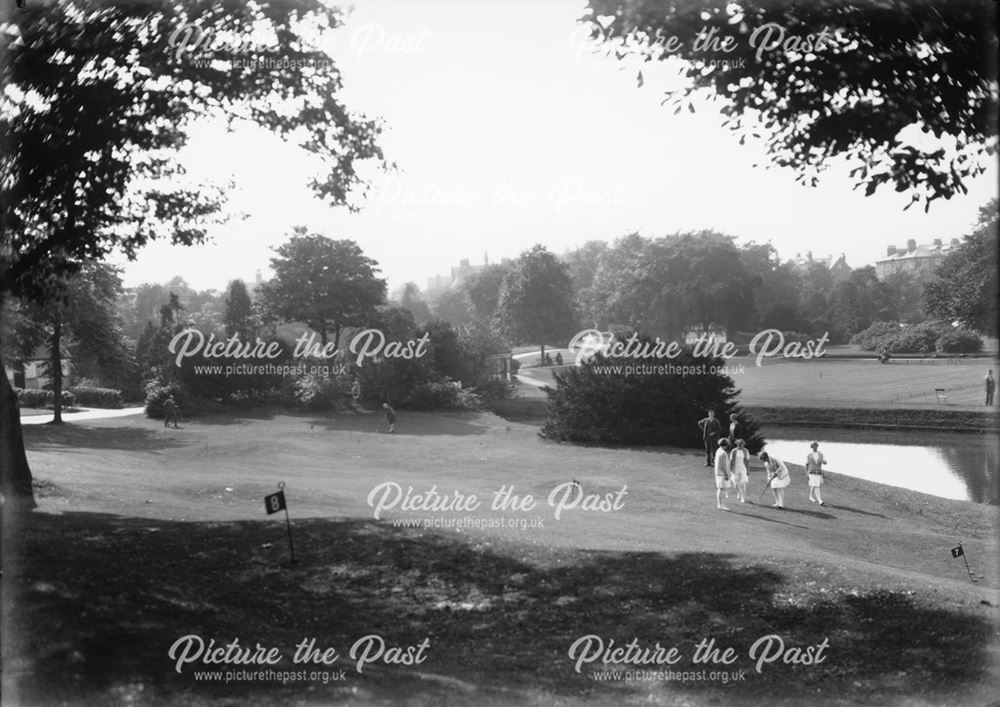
{"points": [[946, 464]]}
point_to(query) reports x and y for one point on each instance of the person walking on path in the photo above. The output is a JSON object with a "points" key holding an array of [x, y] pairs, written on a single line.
{"points": [[814, 465], [170, 410], [390, 416], [739, 462], [777, 478], [722, 475], [711, 430], [990, 386]]}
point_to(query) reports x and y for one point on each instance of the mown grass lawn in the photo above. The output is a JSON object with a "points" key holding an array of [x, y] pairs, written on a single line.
{"points": [[849, 382], [147, 534]]}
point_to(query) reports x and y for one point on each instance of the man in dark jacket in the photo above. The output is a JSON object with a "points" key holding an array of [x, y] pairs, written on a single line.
{"points": [[170, 411], [711, 431]]}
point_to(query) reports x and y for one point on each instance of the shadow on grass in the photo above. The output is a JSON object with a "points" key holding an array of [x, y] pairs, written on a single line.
{"points": [[408, 424], [99, 600], [130, 437], [235, 417], [855, 510], [769, 520], [806, 512]]}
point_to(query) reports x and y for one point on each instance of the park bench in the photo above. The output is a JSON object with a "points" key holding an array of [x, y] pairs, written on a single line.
{"points": [[942, 396]]}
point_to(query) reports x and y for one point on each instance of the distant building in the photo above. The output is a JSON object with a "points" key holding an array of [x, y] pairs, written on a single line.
{"points": [[838, 268], [28, 373], [913, 258], [438, 282], [464, 270], [459, 272], [713, 335]]}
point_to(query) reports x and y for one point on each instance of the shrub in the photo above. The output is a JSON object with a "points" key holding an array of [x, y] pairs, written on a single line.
{"points": [[317, 393], [871, 339], [493, 389], [441, 395], [926, 337], [559, 359], [920, 338], [98, 397], [36, 398], [157, 392], [515, 366], [592, 406], [958, 341]]}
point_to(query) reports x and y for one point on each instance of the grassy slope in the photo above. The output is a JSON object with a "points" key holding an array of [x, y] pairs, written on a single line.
{"points": [[148, 534]]}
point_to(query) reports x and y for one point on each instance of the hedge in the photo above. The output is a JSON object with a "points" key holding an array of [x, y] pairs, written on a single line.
{"points": [[98, 397], [35, 398]]}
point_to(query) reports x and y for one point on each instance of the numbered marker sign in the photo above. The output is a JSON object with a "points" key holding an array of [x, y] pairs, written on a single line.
{"points": [[275, 502]]}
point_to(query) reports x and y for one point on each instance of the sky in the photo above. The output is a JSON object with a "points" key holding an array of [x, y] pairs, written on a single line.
{"points": [[508, 130]]}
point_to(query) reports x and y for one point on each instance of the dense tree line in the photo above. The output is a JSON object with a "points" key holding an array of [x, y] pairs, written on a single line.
{"points": [[704, 280]]}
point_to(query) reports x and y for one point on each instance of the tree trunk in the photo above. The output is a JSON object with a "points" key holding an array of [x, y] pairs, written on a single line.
{"points": [[541, 361], [55, 358], [15, 474]]}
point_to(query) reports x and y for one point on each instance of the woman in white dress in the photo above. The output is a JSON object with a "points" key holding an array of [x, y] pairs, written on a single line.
{"points": [[739, 461], [814, 465], [722, 475], [777, 478]]}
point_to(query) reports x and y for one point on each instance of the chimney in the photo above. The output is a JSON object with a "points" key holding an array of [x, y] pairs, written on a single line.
{"points": [[890, 250], [937, 242], [911, 245]]}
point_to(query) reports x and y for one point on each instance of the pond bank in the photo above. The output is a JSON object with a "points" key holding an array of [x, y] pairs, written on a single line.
{"points": [[940, 420], [534, 409]]}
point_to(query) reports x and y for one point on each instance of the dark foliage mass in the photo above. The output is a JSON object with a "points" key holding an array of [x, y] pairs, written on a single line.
{"points": [[829, 79], [599, 403]]}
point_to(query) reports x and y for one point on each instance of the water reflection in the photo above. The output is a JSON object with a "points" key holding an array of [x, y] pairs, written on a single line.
{"points": [[951, 465]]}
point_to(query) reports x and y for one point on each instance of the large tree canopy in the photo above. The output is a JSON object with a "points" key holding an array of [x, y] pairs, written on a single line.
{"points": [[905, 91], [672, 284], [96, 100], [536, 299], [325, 283], [964, 286]]}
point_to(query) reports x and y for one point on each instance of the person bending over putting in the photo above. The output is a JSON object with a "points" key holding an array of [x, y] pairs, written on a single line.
{"points": [[722, 481], [777, 478], [390, 416], [814, 465]]}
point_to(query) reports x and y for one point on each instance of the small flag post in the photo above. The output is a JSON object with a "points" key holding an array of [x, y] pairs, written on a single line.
{"points": [[276, 502], [959, 552]]}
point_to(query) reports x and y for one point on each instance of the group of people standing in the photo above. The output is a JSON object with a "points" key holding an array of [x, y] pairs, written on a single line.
{"points": [[731, 460]]}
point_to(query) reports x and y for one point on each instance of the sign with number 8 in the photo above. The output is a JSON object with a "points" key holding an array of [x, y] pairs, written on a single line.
{"points": [[275, 502]]}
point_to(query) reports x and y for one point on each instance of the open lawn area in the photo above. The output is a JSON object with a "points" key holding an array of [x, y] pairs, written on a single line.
{"points": [[145, 535], [860, 382], [845, 382]]}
